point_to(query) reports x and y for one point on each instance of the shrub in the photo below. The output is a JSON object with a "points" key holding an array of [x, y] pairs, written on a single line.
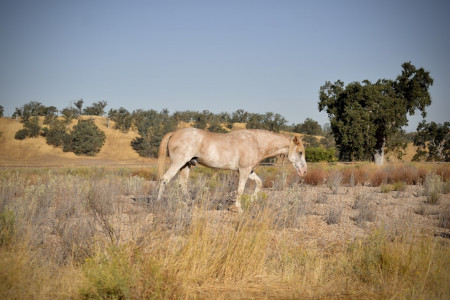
{"points": [[397, 186], [352, 179], [446, 188], [315, 176], [354, 175], [34, 129], [321, 198], [444, 217], [334, 181], [366, 213], [56, 134], [433, 188], [31, 129], [86, 138], [378, 177], [333, 216], [317, 154], [402, 173], [386, 188], [444, 171], [122, 119], [22, 134]]}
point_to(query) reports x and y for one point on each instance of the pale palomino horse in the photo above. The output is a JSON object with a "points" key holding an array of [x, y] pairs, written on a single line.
{"points": [[240, 150]]}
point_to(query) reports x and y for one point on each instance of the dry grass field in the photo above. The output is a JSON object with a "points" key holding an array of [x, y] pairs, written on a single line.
{"points": [[81, 228], [96, 232]]}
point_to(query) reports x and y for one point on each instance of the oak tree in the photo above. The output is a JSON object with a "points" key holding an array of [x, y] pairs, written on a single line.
{"points": [[364, 116]]}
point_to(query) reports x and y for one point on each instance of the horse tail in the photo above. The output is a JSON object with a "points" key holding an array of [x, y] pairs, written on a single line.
{"points": [[162, 154]]}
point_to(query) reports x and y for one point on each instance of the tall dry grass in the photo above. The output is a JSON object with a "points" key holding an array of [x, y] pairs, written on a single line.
{"points": [[371, 175], [100, 233]]}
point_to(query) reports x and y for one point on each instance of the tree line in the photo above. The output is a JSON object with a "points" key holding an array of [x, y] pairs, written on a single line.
{"points": [[366, 121], [86, 138]]}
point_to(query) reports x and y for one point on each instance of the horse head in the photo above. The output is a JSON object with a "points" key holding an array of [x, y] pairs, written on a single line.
{"points": [[296, 155]]}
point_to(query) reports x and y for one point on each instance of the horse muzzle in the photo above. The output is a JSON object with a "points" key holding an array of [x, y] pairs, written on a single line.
{"points": [[301, 171]]}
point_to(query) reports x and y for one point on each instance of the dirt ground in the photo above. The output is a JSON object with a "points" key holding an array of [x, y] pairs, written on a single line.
{"points": [[322, 218]]}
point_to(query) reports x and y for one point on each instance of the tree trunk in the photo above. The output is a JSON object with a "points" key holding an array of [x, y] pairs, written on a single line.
{"points": [[378, 156]]}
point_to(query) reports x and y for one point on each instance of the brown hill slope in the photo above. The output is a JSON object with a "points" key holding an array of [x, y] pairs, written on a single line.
{"points": [[36, 152]]}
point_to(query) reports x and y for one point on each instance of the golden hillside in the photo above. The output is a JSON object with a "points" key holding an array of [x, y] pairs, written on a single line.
{"points": [[36, 152]]}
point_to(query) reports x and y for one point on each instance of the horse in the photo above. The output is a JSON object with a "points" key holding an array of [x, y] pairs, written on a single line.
{"points": [[240, 150]]}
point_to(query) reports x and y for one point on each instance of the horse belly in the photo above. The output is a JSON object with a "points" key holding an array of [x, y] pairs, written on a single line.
{"points": [[217, 158]]}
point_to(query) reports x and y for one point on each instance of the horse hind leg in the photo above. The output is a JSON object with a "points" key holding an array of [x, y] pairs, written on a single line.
{"points": [[243, 176], [165, 179], [183, 177], [258, 183]]}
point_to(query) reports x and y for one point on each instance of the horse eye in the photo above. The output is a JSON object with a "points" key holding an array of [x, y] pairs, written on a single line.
{"points": [[301, 153]]}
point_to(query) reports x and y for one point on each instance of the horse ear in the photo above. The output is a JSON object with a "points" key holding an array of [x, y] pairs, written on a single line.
{"points": [[297, 140]]}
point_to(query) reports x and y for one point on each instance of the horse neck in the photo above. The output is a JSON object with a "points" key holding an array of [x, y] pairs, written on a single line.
{"points": [[272, 144]]}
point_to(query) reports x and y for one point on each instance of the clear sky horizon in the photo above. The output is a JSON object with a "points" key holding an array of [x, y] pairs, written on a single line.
{"points": [[221, 56]]}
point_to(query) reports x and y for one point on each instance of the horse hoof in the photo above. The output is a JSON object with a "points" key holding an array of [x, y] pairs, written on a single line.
{"points": [[235, 209]]}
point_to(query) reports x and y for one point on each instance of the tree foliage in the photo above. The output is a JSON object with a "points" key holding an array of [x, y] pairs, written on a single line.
{"points": [[21, 134], [202, 119], [151, 126], [51, 113], [433, 141], [56, 134], [85, 138], [32, 124], [310, 141], [31, 128], [397, 143], [239, 116], [34, 109], [69, 113], [318, 154], [185, 116], [364, 116], [96, 109], [268, 121], [309, 127], [79, 105], [122, 119]]}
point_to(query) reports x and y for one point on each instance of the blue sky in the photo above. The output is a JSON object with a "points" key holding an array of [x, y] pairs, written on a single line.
{"points": [[260, 56]]}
